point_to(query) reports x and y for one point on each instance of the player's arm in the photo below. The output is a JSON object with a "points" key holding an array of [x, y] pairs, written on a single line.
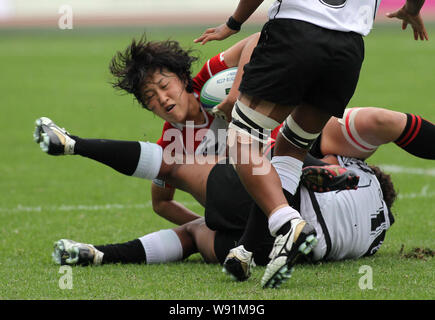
{"points": [[410, 14], [237, 56], [243, 11], [165, 206]]}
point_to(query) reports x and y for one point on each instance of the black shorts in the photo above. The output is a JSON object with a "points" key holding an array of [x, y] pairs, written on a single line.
{"points": [[227, 209], [298, 62]]}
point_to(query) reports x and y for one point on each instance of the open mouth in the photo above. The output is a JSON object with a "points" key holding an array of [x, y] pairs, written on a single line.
{"points": [[169, 108]]}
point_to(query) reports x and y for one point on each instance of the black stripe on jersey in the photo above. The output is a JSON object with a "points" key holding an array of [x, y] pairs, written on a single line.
{"points": [[379, 224], [378, 220], [279, 7], [322, 223], [335, 4], [376, 244]]}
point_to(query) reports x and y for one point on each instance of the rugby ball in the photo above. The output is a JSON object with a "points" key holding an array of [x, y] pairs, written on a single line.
{"points": [[217, 88]]}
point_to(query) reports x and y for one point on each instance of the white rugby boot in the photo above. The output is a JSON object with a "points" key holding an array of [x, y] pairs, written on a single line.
{"points": [[238, 263], [287, 249], [69, 252], [52, 139]]}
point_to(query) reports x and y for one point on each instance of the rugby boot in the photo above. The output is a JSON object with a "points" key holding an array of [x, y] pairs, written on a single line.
{"points": [[238, 263], [52, 139], [69, 252], [329, 178], [287, 249]]}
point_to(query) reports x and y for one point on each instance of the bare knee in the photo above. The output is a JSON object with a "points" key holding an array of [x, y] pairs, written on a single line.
{"points": [[193, 226], [186, 234]]}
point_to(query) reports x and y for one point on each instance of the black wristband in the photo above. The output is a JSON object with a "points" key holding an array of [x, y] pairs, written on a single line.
{"points": [[233, 24]]}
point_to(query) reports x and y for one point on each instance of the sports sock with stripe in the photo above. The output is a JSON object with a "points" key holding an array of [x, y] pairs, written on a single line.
{"points": [[417, 137]]}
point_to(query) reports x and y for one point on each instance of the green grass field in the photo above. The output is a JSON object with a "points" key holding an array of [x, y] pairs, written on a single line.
{"points": [[64, 75]]}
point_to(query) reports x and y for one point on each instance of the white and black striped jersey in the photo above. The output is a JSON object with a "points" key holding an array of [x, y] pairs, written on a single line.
{"points": [[350, 223], [341, 15]]}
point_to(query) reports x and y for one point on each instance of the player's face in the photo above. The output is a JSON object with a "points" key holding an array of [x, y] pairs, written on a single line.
{"points": [[166, 96]]}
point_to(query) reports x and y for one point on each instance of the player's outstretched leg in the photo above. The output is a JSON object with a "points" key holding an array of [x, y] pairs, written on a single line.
{"points": [[329, 178], [238, 263], [287, 249], [53, 139], [69, 252]]}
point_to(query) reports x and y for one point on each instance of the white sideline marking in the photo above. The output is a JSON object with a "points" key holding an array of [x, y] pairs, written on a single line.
{"points": [[406, 170], [84, 207], [423, 193]]}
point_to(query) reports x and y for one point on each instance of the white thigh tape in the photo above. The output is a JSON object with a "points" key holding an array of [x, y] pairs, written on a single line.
{"points": [[247, 120], [297, 136], [349, 131]]}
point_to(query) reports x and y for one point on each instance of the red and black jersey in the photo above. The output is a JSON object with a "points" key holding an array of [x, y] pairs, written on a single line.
{"points": [[198, 132]]}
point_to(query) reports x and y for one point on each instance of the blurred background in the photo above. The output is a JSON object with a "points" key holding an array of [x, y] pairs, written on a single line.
{"points": [[129, 12]]}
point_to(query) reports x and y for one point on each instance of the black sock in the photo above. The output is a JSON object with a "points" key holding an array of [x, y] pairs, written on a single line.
{"points": [[123, 156], [128, 252], [417, 137], [257, 227]]}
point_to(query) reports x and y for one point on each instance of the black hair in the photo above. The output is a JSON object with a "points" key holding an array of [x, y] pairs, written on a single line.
{"points": [[132, 67]]}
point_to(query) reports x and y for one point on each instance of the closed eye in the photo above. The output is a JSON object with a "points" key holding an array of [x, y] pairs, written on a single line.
{"points": [[148, 98]]}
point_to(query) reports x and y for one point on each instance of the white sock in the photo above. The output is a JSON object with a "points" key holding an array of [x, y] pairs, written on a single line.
{"points": [[289, 170], [162, 246], [150, 161], [281, 217]]}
